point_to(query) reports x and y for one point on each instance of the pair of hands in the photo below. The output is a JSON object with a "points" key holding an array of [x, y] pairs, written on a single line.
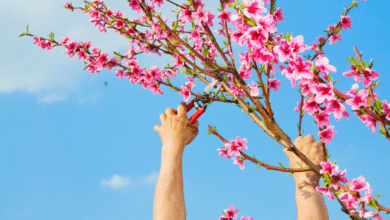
{"points": [[176, 132]]}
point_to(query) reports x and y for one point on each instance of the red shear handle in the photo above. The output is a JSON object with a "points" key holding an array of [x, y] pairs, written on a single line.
{"points": [[196, 115], [190, 105]]}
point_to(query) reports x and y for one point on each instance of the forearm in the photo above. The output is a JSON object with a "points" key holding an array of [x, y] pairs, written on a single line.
{"points": [[169, 194], [310, 203]]}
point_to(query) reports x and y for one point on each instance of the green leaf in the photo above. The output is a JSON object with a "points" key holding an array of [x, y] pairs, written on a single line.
{"points": [[334, 83], [378, 196], [289, 175], [260, 165], [371, 64], [298, 164], [327, 157], [27, 29], [281, 164], [383, 133], [372, 204], [24, 34], [334, 162]]}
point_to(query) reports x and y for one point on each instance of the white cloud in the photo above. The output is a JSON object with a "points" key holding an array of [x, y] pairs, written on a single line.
{"points": [[117, 182], [121, 182], [52, 98]]}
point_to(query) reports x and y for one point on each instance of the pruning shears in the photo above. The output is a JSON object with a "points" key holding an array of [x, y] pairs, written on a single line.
{"points": [[195, 102]]}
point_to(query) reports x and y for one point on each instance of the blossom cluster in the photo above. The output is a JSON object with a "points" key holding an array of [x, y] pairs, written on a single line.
{"points": [[234, 147], [356, 185], [231, 214]]}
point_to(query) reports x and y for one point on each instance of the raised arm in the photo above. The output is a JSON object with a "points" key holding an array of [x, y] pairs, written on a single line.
{"points": [[310, 203], [176, 132]]}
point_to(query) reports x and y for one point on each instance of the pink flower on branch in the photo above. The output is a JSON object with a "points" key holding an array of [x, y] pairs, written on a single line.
{"points": [[358, 185], [322, 119], [310, 105], [327, 135], [323, 66], [158, 2], [322, 92], [337, 108], [254, 9], [349, 200], [346, 22], [224, 16], [273, 84], [238, 161], [326, 191], [301, 69], [369, 76], [236, 145], [329, 168], [254, 89], [369, 120], [231, 213]]}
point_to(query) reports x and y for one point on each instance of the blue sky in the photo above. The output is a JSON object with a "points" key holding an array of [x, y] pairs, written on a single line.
{"points": [[73, 148]]}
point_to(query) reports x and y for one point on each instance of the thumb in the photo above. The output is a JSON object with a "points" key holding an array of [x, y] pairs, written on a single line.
{"points": [[157, 128]]}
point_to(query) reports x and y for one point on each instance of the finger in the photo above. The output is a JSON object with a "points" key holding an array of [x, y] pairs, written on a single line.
{"points": [[298, 141], [182, 110], [163, 117], [308, 139], [157, 128], [170, 112]]}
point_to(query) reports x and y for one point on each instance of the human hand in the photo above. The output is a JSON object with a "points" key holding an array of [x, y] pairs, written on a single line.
{"points": [[176, 130], [312, 150]]}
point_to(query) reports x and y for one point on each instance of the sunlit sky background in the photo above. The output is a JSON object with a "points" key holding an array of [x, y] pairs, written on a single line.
{"points": [[73, 148]]}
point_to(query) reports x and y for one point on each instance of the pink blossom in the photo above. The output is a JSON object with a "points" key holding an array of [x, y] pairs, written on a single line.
{"points": [[322, 119], [155, 89], [283, 51], [185, 92], [245, 73], [334, 38], [310, 105], [264, 56], [362, 212], [119, 73], [349, 200], [158, 2], [273, 84], [231, 213], [245, 59], [369, 75], [223, 152], [298, 107], [370, 121], [254, 89], [297, 45], [357, 100], [191, 82], [271, 71], [337, 108], [186, 15], [323, 66], [279, 14], [322, 92], [301, 69], [267, 23], [200, 15], [327, 135], [326, 191], [353, 72], [367, 198], [376, 216], [134, 4], [224, 16], [386, 109], [329, 168], [340, 176], [359, 185], [236, 146], [255, 36], [254, 9], [346, 22], [238, 161], [236, 90], [289, 72]]}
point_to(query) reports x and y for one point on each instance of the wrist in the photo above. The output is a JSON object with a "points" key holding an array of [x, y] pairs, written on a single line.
{"points": [[172, 150], [308, 178]]}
